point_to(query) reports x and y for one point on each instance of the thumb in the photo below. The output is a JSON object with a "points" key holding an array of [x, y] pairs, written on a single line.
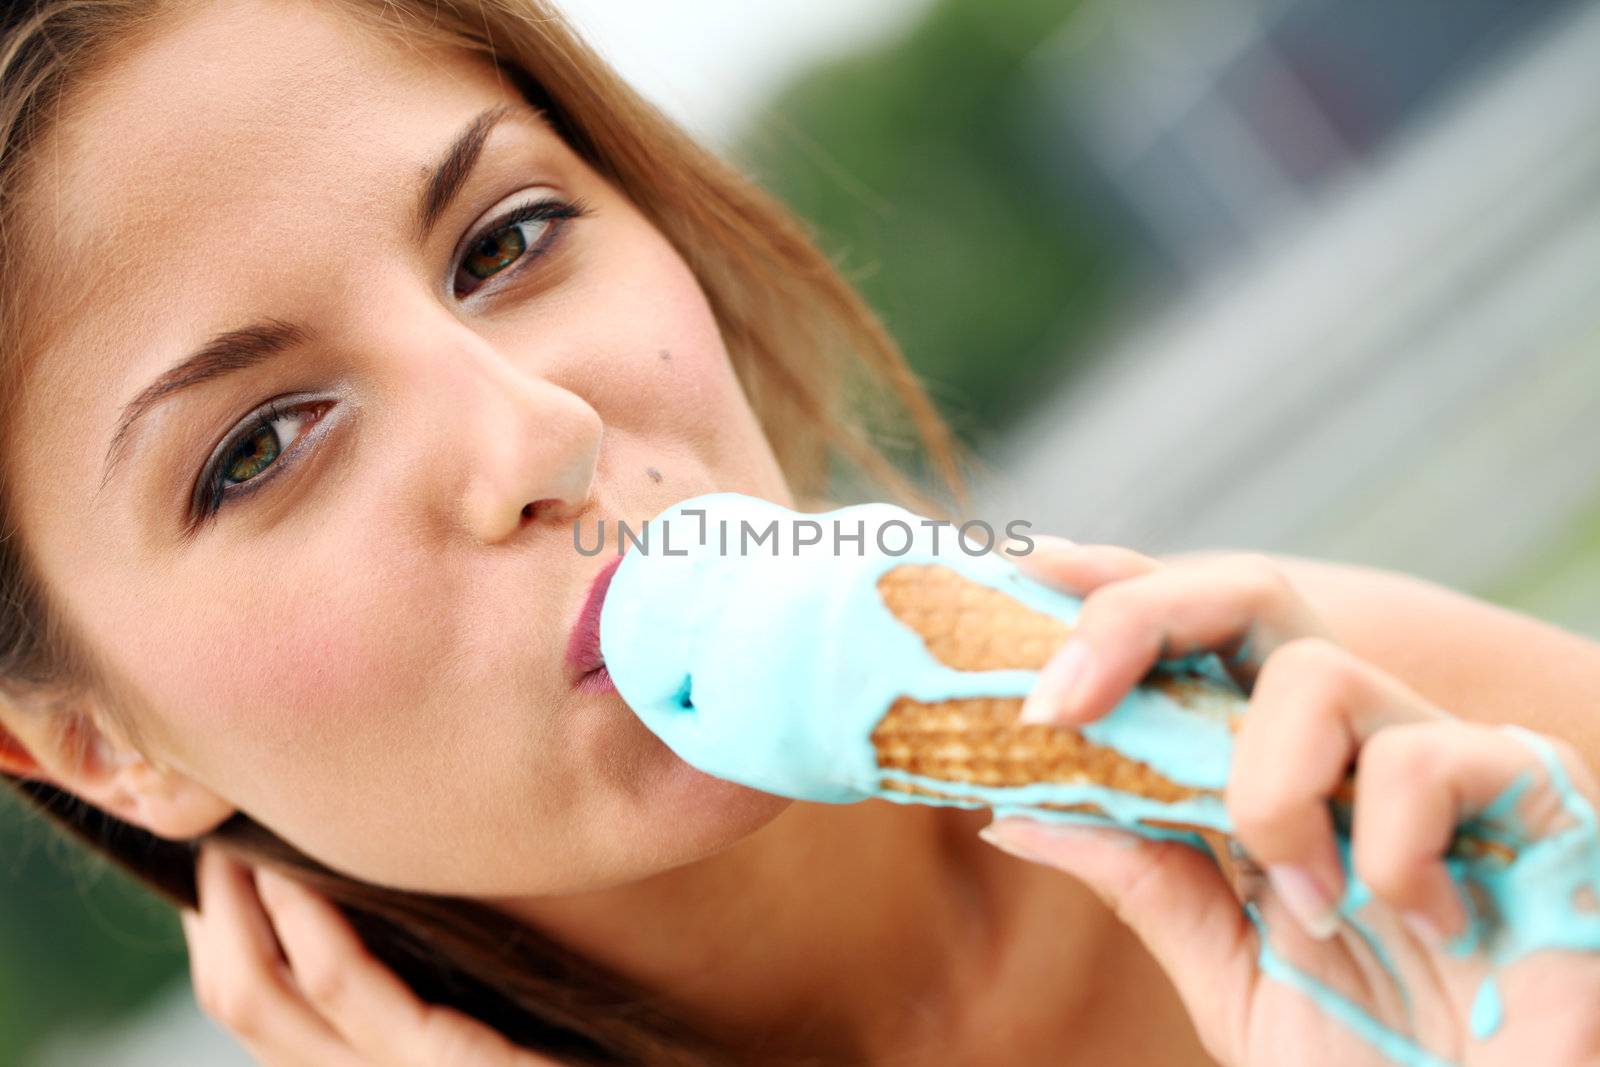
{"points": [[1174, 898]]}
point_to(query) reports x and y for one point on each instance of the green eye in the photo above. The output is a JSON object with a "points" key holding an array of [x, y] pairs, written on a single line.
{"points": [[253, 456], [249, 455], [492, 254], [506, 245], [261, 447]]}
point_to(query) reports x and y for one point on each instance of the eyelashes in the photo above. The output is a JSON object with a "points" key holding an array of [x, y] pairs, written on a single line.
{"points": [[254, 447], [256, 451], [482, 253]]}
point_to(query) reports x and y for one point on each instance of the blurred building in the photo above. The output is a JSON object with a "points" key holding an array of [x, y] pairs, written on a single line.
{"points": [[1218, 123], [1383, 350]]}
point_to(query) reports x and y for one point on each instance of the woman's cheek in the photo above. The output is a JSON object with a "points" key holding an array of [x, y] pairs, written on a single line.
{"points": [[277, 669], [705, 406]]}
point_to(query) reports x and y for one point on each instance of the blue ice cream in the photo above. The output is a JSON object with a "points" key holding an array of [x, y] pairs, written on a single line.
{"points": [[752, 640]]}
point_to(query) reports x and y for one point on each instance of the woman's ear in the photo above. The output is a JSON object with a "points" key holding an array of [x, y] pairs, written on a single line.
{"points": [[69, 750], [14, 758]]}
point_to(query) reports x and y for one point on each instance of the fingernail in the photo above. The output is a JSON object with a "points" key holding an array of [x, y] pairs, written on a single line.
{"points": [[1022, 551], [1078, 831], [1025, 840], [1422, 925], [1005, 840], [1054, 543], [1306, 900], [1055, 682], [269, 884]]}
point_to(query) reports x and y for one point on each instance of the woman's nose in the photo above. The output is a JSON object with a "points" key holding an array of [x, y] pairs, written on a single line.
{"points": [[534, 448]]}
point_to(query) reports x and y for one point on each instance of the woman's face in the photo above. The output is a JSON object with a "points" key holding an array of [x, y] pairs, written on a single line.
{"points": [[363, 646]]}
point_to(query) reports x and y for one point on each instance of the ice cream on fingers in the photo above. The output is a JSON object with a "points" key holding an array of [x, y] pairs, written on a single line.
{"points": [[870, 652]]}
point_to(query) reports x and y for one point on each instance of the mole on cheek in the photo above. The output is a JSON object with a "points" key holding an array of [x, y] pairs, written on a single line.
{"points": [[665, 355], [655, 475]]}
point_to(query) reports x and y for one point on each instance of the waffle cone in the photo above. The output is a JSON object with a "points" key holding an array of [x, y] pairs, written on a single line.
{"points": [[969, 626]]}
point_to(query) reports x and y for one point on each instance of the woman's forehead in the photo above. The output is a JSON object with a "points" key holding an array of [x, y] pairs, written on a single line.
{"points": [[175, 169], [279, 101], [191, 182]]}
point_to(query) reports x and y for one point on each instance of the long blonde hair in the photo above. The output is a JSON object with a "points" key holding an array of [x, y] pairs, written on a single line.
{"points": [[827, 383]]}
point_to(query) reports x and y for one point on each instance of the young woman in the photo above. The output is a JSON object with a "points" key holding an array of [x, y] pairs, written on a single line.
{"points": [[324, 323]]}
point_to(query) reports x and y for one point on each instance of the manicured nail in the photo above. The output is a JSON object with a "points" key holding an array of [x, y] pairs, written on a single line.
{"points": [[1306, 900], [1035, 841], [1422, 925], [1079, 831], [271, 886], [1055, 683], [1006, 840], [1023, 552]]}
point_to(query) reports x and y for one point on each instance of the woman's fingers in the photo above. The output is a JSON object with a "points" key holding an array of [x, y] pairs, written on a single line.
{"points": [[1173, 897], [1081, 568], [1241, 606], [377, 1014], [323, 1001], [362, 999], [1313, 707], [239, 977], [1415, 785]]}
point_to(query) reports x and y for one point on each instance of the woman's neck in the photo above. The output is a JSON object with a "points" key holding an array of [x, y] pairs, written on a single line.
{"points": [[848, 932]]}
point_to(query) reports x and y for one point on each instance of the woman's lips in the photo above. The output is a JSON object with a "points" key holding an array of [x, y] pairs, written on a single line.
{"points": [[596, 681], [584, 661]]}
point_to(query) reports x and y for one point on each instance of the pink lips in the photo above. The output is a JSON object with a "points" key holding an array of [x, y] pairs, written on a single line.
{"points": [[583, 648]]}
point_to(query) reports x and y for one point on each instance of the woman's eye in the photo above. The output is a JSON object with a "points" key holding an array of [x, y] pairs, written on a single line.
{"points": [[258, 451], [506, 244], [247, 457], [522, 234]]}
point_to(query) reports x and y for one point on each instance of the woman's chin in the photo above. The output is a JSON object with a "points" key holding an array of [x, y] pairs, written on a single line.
{"points": [[662, 785], [710, 801]]}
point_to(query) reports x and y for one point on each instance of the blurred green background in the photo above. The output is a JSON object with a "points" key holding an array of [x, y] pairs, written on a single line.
{"points": [[1300, 276], [921, 165]]}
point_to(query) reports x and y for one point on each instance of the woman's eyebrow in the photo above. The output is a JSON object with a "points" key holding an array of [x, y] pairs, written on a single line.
{"points": [[244, 347], [452, 171]]}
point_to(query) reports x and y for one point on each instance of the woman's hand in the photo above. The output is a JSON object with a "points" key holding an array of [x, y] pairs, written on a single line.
{"points": [[323, 1000], [1315, 710]]}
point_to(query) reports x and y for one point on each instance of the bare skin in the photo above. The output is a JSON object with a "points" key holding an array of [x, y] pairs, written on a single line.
{"points": [[1315, 706], [325, 637]]}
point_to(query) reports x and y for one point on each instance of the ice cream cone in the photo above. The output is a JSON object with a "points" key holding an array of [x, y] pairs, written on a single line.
{"points": [[969, 626]]}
